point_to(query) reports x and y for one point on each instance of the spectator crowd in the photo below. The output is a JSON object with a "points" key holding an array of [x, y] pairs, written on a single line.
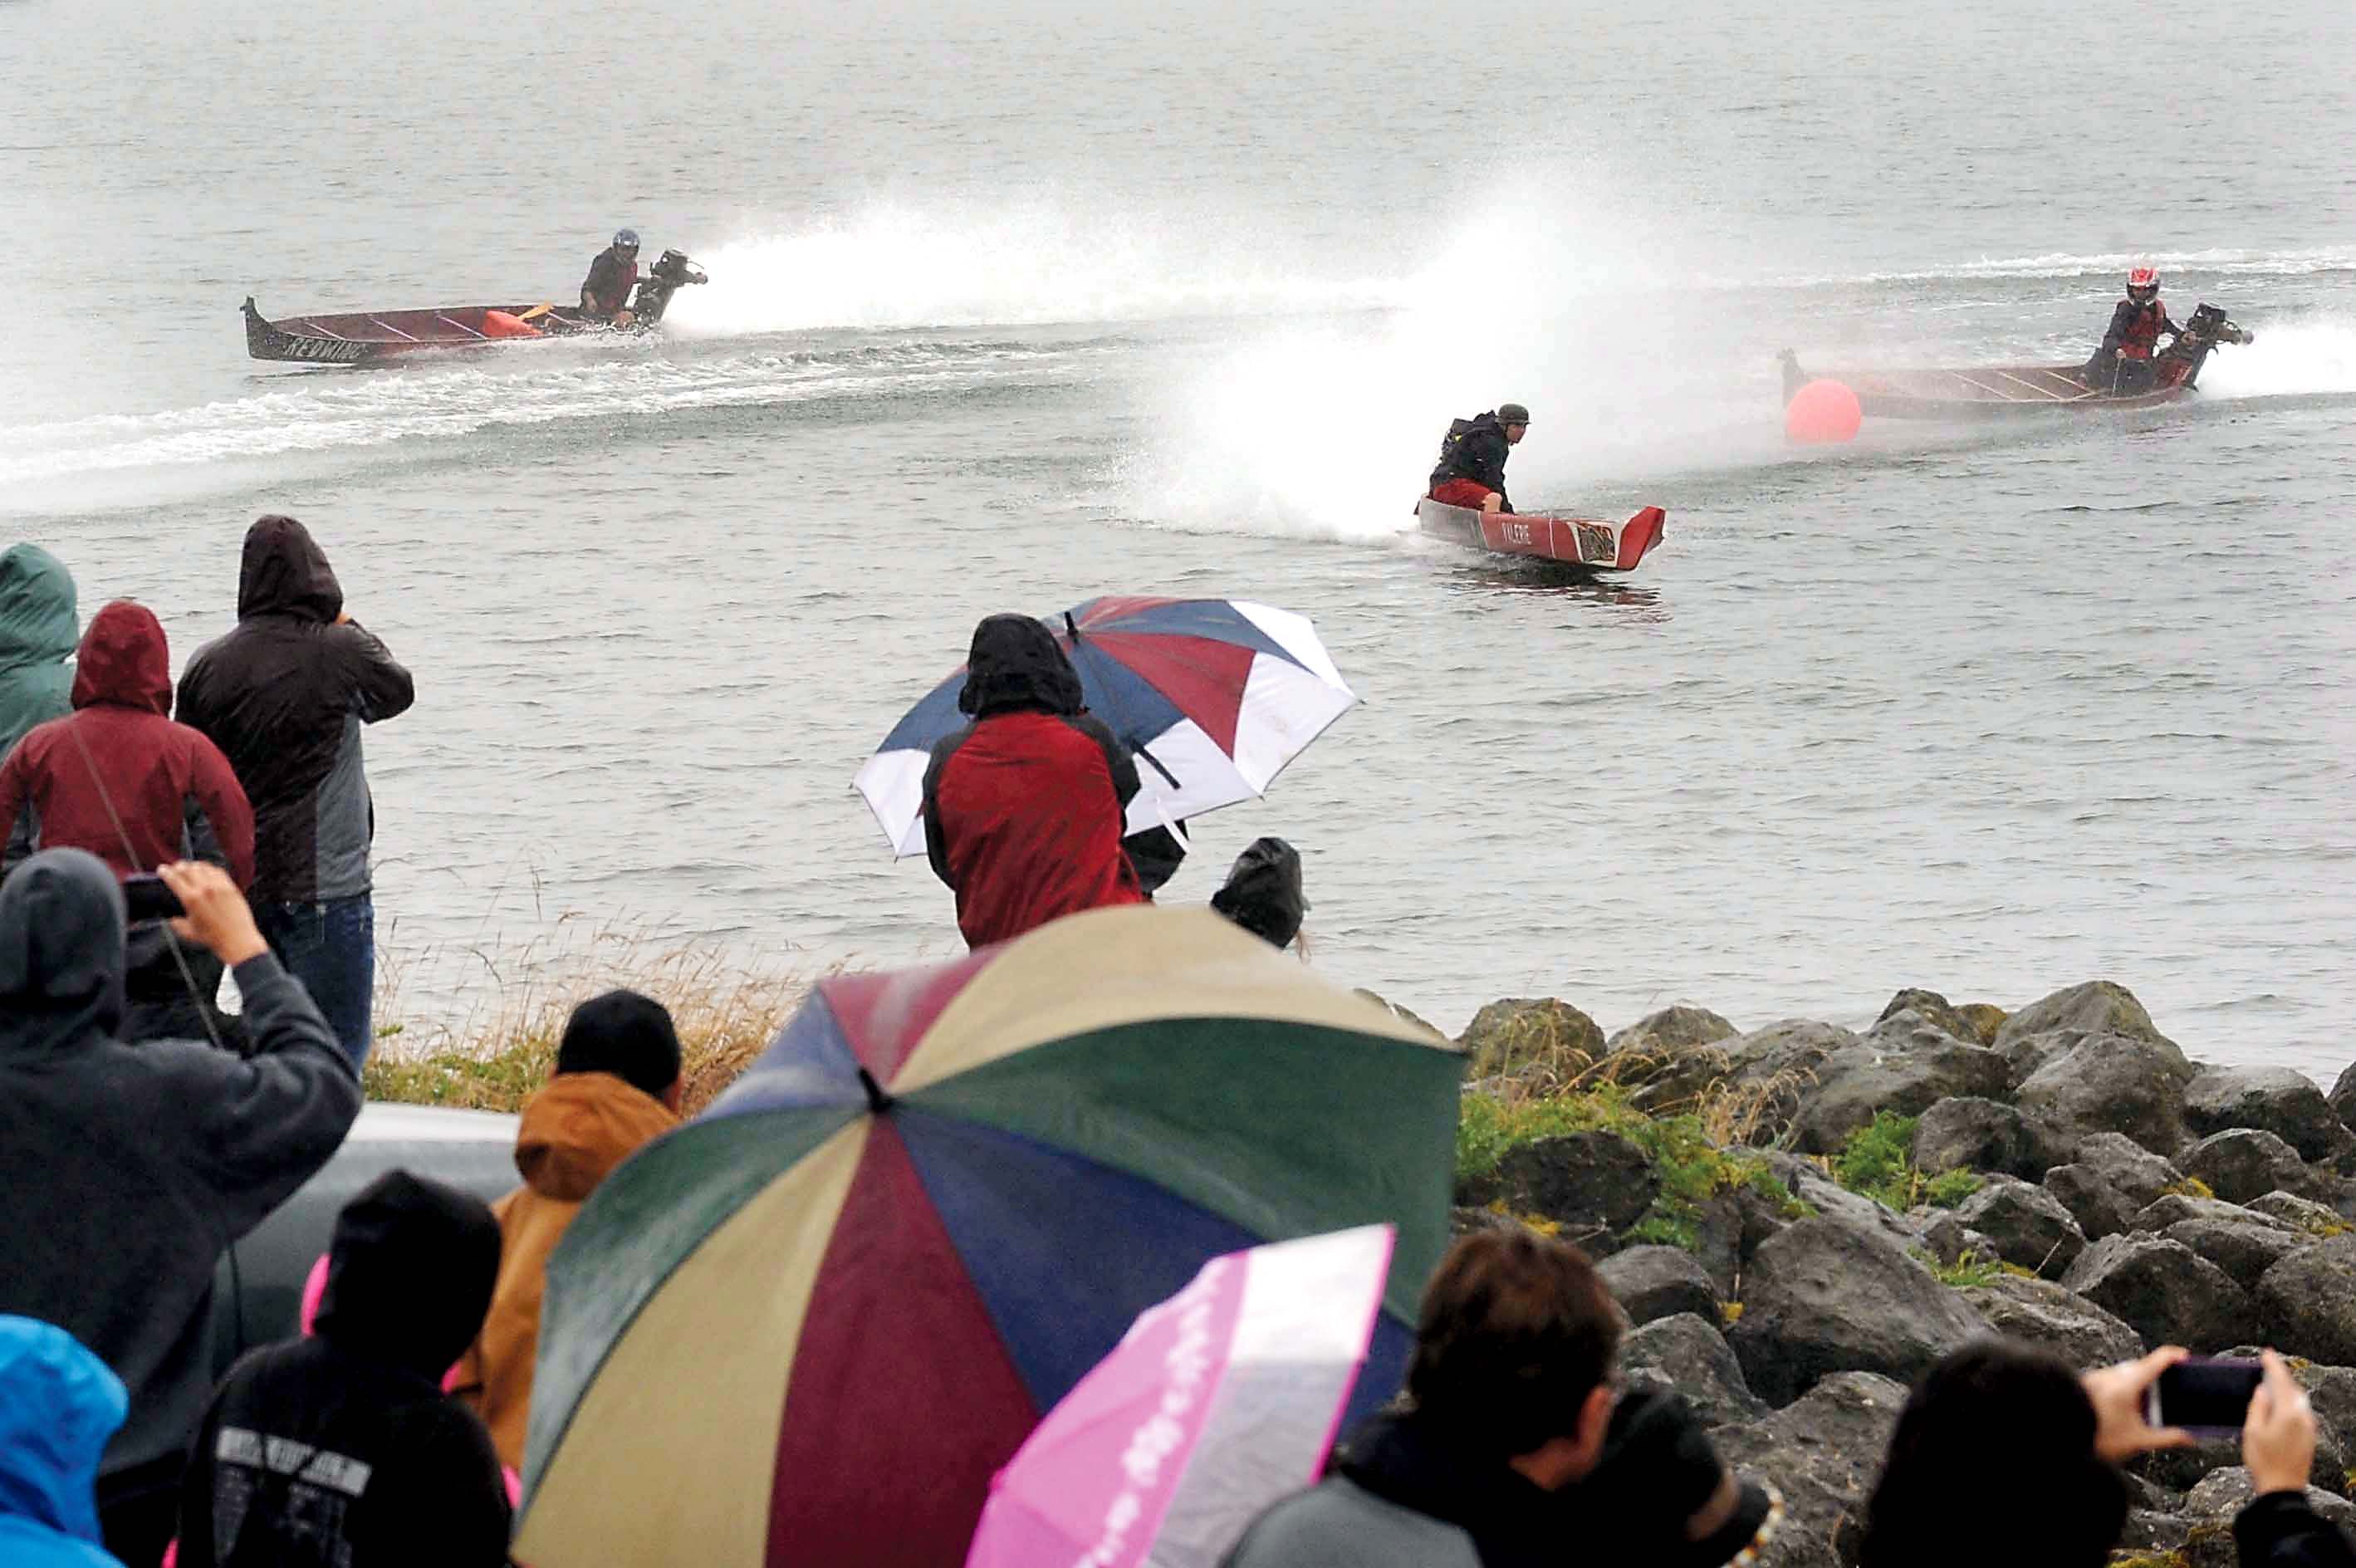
{"points": [[154, 842]]}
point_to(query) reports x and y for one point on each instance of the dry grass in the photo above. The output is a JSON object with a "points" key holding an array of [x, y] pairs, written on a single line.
{"points": [[500, 1052]]}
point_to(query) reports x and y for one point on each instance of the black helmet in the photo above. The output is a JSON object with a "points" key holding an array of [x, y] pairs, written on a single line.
{"points": [[1512, 414], [626, 239]]}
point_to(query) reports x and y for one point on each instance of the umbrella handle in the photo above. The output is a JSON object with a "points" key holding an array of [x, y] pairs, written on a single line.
{"points": [[1072, 630]]}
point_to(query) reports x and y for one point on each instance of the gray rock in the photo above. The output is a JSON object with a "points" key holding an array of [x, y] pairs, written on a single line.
{"points": [[1969, 1133], [1827, 1297], [2042, 1313], [1903, 1072], [2245, 1251], [1770, 1069], [1671, 1030], [2162, 1289], [2178, 1471], [1686, 1353], [1828, 1197], [2099, 1208], [2319, 1220], [1823, 1453], [2222, 1493], [2306, 1302], [1519, 1037], [1931, 1008], [2175, 1208], [1595, 1184], [1397, 1011], [2097, 1007], [2109, 1083], [2342, 1098], [2139, 1175], [2243, 1163], [2029, 1226], [2273, 1099], [2153, 1533], [1728, 1229], [1950, 1241], [1659, 1282]]}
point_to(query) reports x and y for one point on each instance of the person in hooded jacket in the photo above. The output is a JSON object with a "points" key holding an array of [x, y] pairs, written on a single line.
{"points": [[1262, 893], [1471, 467], [615, 1087], [1024, 807], [284, 695], [58, 1404], [341, 1450], [120, 779], [37, 632], [126, 1170]]}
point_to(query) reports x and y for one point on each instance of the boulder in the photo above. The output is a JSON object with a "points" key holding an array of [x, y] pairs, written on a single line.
{"points": [[2222, 1495], [1823, 1453], [2243, 1163], [1985, 1020], [1524, 1037], [2244, 1250], [2139, 1174], [1828, 1296], [1730, 1228], [1904, 1073], [2042, 1313], [1659, 1282], [1828, 1197], [2275, 1100], [1396, 1011], [2306, 1302], [2097, 1007], [1595, 1184], [2174, 1207], [1766, 1071], [2162, 1289], [1670, 1031], [2099, 1208], [1950, 1241], [2342, 1098], [1983, 1134], [2029, 1226], [1931, 1008], [2304, 1214], [2109, 1083], [1686, 1354]]}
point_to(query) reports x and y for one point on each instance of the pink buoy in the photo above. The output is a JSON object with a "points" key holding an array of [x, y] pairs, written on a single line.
{"points": [[1822, 411]]}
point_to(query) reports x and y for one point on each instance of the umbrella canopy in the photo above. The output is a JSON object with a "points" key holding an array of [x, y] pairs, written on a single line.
{"points": [[1219, 1401], [809, 1327], [1214, 697]]}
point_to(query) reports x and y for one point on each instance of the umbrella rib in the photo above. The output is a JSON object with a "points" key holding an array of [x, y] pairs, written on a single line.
{"points": [[1167, 777]]}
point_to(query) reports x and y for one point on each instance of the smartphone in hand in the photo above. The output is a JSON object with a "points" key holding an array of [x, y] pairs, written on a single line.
{"points": [[2208, 1396], [146, 897]]}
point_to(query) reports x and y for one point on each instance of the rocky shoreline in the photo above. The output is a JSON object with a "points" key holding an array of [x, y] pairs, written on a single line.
{"points": [[1799, 1220]]}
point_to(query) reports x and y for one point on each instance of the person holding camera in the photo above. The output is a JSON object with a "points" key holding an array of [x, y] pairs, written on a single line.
{"points": [[124, 1170], [1515, 1445], [2033, 1449]]}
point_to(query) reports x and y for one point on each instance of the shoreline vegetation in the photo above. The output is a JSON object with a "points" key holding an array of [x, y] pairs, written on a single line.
{"points": [[1798, 1219]]}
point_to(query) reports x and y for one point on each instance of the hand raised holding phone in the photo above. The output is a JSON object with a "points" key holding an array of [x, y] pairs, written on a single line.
{"points": [[2278, 1434], [217, 916]]}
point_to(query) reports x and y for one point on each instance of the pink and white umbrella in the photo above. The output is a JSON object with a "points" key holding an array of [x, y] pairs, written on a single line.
{"points": [[1214, 1404]]}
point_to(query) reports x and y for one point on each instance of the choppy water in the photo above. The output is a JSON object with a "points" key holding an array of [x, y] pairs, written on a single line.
{"points": [[1013, 304]]}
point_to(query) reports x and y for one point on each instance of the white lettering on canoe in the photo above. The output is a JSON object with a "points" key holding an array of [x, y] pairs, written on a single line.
{"points": [[1517, 532]]}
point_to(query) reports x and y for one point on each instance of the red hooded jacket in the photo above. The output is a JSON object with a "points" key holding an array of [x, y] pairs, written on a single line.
{"points": [[118, 769]]}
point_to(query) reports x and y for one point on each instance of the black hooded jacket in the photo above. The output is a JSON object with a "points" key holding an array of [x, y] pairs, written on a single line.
{"points": [[124, 1170], [284, 695], [341, 1451], [1475, 449], [1262, 893]]}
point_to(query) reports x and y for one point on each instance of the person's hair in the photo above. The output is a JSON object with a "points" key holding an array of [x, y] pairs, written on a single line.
{"points": [[623, 1033], [1517, 1331], [2011, 1429]]}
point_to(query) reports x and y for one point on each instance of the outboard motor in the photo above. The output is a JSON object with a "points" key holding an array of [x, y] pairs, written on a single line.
{"points": [[2180, 363], [671, 271]]}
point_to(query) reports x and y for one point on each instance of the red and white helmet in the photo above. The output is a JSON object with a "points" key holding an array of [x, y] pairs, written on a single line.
{"points": [[2143, 284]]}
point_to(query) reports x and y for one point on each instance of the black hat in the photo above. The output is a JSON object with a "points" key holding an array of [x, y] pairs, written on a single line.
{"points": [[1512, 414]]}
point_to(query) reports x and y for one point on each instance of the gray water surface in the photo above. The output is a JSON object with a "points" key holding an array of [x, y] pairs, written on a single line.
{"points": [[1019, 303]]}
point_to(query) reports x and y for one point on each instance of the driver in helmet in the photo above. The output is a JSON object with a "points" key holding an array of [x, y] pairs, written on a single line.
{"points": [[605, 293], [2122, 363]]}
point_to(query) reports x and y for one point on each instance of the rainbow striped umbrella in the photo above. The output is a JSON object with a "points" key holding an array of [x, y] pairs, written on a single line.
{"points": [[807, 1328]]}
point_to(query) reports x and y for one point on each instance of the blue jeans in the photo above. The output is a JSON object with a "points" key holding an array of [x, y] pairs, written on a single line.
{"points": [[331, 949]]}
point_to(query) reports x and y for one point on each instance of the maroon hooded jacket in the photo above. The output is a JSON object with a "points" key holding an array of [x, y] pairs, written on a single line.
{"points": [[117, 769], [1023, 807]]}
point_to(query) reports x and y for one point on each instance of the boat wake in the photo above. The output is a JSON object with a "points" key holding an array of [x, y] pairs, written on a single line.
{"points": [[538, 385], [2299, 357]]}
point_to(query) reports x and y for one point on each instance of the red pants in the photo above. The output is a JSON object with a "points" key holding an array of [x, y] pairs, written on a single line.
{"points": [[1461, 492]]}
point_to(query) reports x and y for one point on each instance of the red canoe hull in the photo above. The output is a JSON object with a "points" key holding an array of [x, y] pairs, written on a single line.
{"points": [[1587, 542], [365, 337]]}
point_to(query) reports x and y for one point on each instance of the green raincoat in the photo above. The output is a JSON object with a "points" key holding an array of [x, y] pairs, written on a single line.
{"points": [[37, 634]]}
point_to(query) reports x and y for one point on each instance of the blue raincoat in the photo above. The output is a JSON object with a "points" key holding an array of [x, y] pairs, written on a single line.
{"points": [[58, 1404]]}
